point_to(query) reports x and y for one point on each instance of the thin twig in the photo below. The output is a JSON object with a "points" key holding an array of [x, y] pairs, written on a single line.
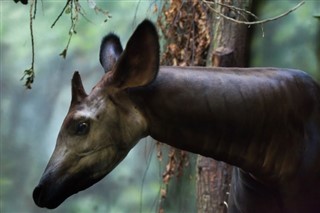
{"points": [[252, 22], [104, 12], [61, 13], [30, 72], [83, 14], [74, 17], [237, 9], [35, 9], [31, 32]]}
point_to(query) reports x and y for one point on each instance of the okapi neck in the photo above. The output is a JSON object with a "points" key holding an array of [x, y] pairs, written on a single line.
{"points": [[228, 116]]}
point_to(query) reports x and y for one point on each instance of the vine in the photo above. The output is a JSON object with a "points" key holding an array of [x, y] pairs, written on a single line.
{"points": [[29, 74], [72, 8]]}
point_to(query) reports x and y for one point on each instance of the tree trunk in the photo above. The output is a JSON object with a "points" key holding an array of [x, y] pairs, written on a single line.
{"points": [[228, 48]]}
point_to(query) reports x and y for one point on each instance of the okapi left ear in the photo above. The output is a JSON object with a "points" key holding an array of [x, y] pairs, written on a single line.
{"points": [[78, 92], [110, 51], [139, 63]]}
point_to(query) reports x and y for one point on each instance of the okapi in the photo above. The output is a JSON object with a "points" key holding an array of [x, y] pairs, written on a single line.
{"points": [[264, 121]]}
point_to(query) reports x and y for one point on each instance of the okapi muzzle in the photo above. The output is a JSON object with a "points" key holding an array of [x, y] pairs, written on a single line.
{"points": [[264, 121]]}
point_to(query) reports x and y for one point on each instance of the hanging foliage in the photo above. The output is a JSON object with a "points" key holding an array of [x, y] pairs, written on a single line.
{"points": [[74, 10]]}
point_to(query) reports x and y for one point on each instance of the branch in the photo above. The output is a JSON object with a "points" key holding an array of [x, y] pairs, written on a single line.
{"points": [[75, 8], [61, 13], [71, 7], [237, 9], [242, 10], [29, 73]]}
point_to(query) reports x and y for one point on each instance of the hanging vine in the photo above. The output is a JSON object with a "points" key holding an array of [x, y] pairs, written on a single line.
{"points": [[29, 74], [72, 8]]}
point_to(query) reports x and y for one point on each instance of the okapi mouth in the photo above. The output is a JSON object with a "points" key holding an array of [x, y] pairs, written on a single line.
{"points": [[51, 198], [42, 200], [50, 194], [55, 188]]}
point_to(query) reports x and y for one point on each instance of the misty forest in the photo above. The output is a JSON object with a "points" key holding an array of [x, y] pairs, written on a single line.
{"points": [[153, 177]]}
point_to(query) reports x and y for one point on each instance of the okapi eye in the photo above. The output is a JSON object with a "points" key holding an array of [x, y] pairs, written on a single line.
{"points": [[82, 128]]}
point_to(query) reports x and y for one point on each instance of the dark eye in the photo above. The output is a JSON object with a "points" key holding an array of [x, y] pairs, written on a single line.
{"points": [[82, 128]]}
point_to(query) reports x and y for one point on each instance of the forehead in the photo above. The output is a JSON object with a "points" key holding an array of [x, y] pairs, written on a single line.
{"points": [[84, 112], [89, 108]]}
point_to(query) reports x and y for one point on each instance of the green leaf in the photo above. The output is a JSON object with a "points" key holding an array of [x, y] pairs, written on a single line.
{"points": [[68, 10], [64, 53]]}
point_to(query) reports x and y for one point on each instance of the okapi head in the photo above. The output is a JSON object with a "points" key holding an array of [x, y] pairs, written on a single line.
{"points": [[101, 128]]}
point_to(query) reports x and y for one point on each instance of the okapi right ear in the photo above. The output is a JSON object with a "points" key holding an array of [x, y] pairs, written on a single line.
{"points": [[78, 92], [110, 51], [138, 65]]}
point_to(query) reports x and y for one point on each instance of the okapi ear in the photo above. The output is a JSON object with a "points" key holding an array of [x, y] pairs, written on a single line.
{"points": [[110, 51], [78, 93], [139, 63]]}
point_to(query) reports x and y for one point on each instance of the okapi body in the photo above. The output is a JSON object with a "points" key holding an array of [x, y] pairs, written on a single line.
{"points": [[264, 121]]}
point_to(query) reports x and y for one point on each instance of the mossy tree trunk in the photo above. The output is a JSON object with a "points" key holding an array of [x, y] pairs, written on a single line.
{"points": [[196, 35], [228, 48]]}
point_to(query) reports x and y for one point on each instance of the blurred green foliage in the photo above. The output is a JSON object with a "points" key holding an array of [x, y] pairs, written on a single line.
{"points": [[30, 119], [292, 41]]}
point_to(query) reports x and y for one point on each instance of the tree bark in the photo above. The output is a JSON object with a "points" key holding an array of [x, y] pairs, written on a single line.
{"points": [[228, 48]]}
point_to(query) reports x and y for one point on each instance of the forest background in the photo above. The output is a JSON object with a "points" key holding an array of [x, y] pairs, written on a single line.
{"points": [[30, 119]]}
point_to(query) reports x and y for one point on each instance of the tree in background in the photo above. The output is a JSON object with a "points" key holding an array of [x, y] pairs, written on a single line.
{"points": [[198, 36], [207, 33]]}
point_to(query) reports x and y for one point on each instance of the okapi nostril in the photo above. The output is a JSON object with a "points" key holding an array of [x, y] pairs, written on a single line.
{"points": [[37, 195]]}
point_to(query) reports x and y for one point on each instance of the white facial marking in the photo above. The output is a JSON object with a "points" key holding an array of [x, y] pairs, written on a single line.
{"points": [[90, 111], [86, 112]]}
